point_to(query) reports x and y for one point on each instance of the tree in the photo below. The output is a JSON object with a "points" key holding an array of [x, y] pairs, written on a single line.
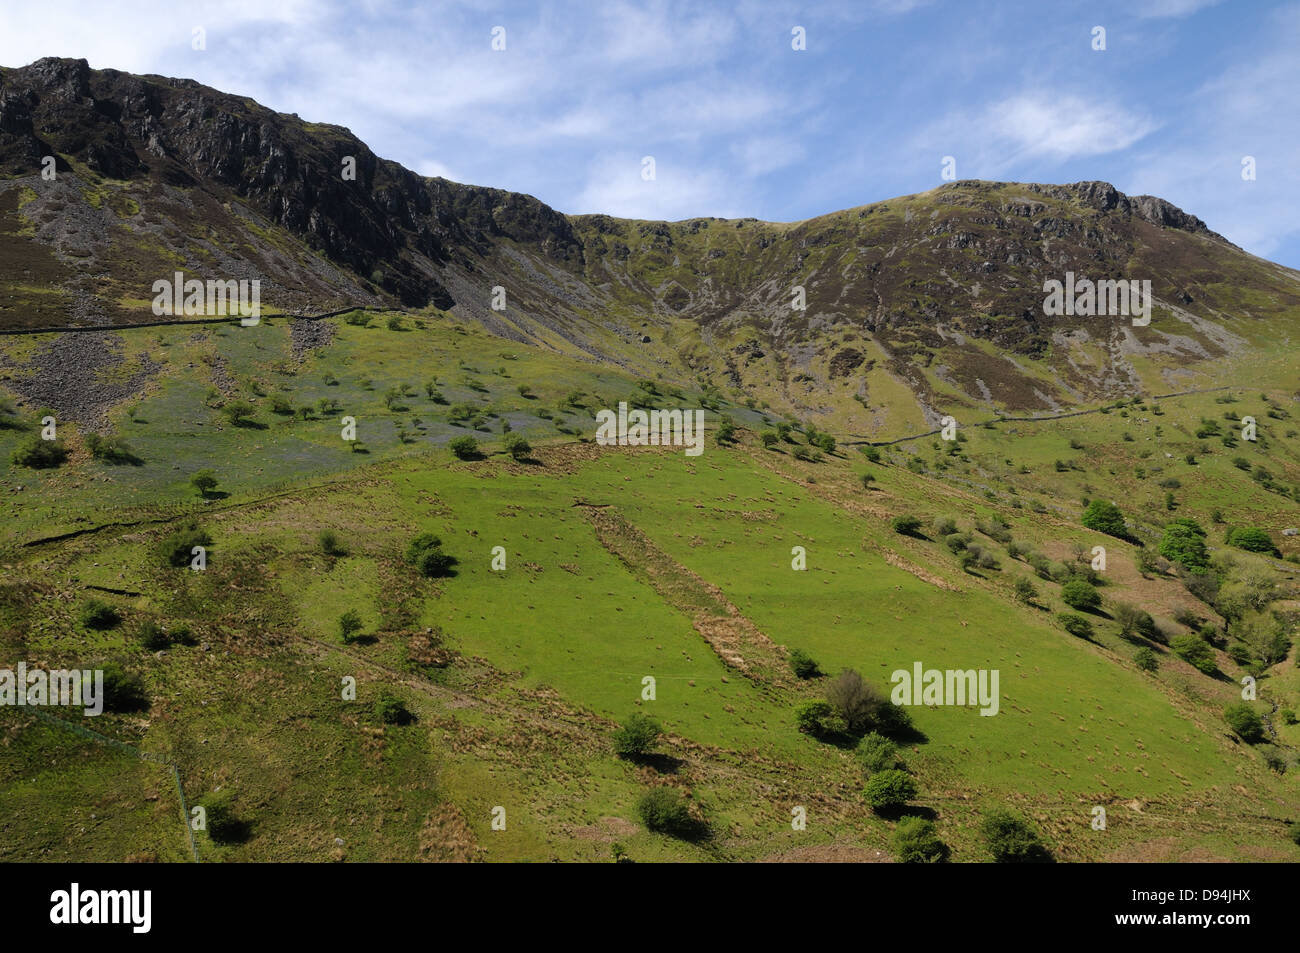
{"points": [[425, 554], [1105, 517], [803, 665], [465, 448], [1183, 543], [238, 412], [123, 691], [817, 718], [1080, 594], [769, 438], [906, 525], [1253, 540], [915, 842], [877, 753], [99, 615], [636, 737], [205, 481], [1146, 660], [1076, 625], [391, 710], [666, 811], [517, 447], [329, 543], [349, 626], [1011, 840], [1132, 620], [726, 429], [853, 700], [1193, 650], [889, 790], [1242, 719], [1026, 591]]}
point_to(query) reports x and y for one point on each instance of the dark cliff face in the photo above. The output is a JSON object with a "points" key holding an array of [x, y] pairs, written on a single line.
{"points": [[181, 133]]}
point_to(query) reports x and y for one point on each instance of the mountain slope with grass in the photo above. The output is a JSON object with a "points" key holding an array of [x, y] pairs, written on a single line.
{"points": [[366, 588]]}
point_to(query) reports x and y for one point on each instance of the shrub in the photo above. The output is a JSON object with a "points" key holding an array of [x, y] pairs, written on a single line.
{"points": [[1081, 595], [391, 710], [636, 736], [39, 454], [1253, 540], [1242, 719], [867, 479], [1076, 625], [108, 449], [1132, 620], [1183, 543], [425, 554], [123, 690], [1105, 518], [889, 790], [1288, 716], [871, 453], [854, 700], [329, 543], [803, 665], [1011, 840], [915, 842], [945, 526], [394, 323], [238, 412], [97, 614], [1026, 591], [906, 525], [666, 811], [517, 447], [726, 432], [1193, 650], [877, 753], [769, 439], [1146, 660], [349, 626], [817, 718], [205, 481], [177, 548], [465, 448]]}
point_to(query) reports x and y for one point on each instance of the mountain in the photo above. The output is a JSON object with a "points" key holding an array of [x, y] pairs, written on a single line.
{"points": [[916, 307]]}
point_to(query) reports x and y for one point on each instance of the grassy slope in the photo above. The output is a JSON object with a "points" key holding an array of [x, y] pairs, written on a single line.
{"points": [[548, 654]]}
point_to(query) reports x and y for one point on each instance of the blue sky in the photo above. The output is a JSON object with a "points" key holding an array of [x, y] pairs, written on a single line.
{"points": [[738, 122]]}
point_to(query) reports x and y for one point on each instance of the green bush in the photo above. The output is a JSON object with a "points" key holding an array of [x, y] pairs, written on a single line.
{"points": [[915, 842], [1242, 719], [223, 826], [666, 811], [39, 454], [1253, 540], [636, 737], [349, 626], [1105, 518], [391, 710], [1288, 716], [425, 554], [517, 447], [153, 637], [1146, 660], [877, 753], [1075, 624], [1183, 543], [1011, 840], [818, 719], [889, 790], [329, 543], [177, 547], [1193, 650], [97, 614], [1080, 594], [205, 481], [465, 448], [906, 525], [769, 439], [803, 665], [1133, 621], [1026, 591]]}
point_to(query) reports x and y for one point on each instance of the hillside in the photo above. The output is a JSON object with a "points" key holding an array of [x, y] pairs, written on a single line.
{"points": [[494, 688]]}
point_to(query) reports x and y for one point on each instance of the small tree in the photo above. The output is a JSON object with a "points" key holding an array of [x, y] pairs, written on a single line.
{"points": [[769, 439], [1242, 719], [1105, 517], [915, 842], [425, 554], [1012, 840], [1193, 650], [889, 790], [329, 543], [817, 718], [465, 448], [1146, 660], [205, 481], [177, 548], [1026, 591], [39, 454], [349, 626], [238, 412], [518, 447], [853, 700], [391, 710], [1076, 625], [906, 525], [877, 753], [99, 615], [636, 737], [666, 811], [1080, 594], [123, 691]]}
